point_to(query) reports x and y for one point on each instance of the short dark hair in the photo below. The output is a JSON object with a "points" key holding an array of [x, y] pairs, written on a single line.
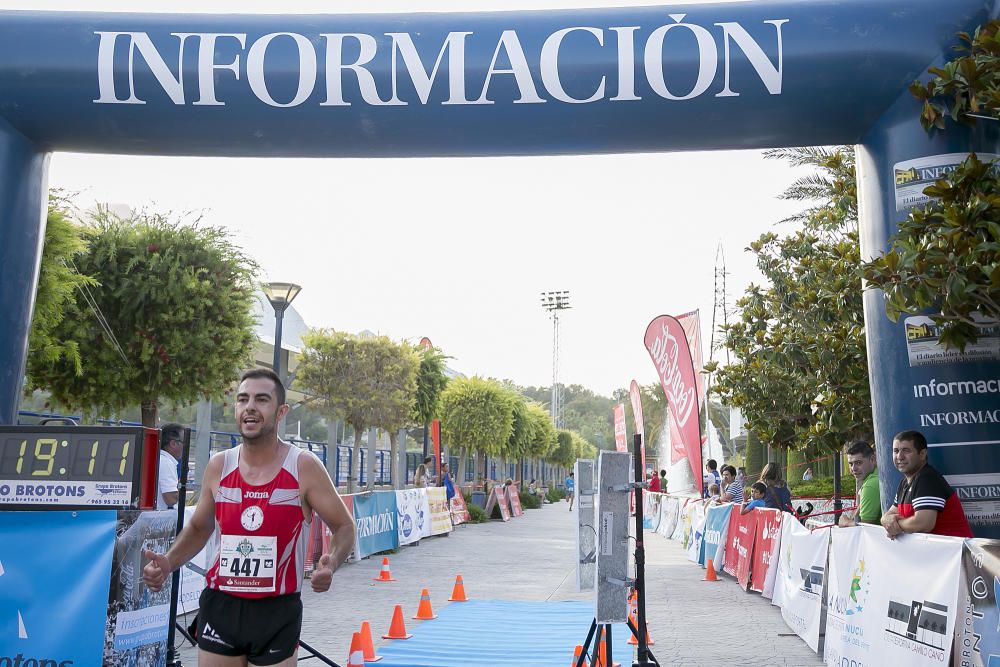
{"points": [[760, 486], [731, 469], [916, 437], [267, 374], [712, 464], [170, 432], [860, 448], [663, 473], [428, 459]]}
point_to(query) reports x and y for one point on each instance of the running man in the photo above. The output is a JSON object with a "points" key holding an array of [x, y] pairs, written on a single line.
{"points": [[259, 498]]}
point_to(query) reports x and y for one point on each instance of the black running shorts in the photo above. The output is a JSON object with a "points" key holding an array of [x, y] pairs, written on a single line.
{"points": [[266, 630]]}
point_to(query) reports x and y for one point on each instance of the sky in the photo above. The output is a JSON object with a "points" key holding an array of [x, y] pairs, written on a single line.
{"points": [[459, 249]]}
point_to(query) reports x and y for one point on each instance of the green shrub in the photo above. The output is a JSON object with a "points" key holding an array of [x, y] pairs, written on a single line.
{"points": [[477, 513], [555, 495], [822, 487], [530, 502]]}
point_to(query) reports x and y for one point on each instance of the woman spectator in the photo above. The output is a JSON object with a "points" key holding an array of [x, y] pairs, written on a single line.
{"points": [[777, 496], [422, 474]]}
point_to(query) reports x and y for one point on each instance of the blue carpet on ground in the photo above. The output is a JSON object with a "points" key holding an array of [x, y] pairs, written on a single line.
{"points": [[495, 633]]}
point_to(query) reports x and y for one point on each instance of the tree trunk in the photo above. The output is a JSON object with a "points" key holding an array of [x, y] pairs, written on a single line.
{"points": [[394, 459], [149, 413], [352, 477], [370, 458], [463, 459]]}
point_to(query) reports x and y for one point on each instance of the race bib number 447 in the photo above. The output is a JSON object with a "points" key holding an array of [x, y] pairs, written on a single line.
{"points": [[247, 563]]}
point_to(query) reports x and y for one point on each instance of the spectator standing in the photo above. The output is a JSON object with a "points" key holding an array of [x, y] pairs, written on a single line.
{"points": [[807, 475], [171, 450], [570, 487], [654, 482], [924, 502], [861, 462], [741, 475], [663, 481], [732, 489], [776, 493], [422, 475], [449, 486], [711, 475]]}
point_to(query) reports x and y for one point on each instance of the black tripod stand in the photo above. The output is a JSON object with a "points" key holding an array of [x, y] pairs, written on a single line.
{"points": [[644, 657]]}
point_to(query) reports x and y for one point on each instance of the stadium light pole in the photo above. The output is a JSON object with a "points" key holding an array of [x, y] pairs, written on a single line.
{"points": [[553, 302]]}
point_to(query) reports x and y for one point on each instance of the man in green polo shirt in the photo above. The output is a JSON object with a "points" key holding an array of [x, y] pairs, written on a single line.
{"points": [[861, 460]]}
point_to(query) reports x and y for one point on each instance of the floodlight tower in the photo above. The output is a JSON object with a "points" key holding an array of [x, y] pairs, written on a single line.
{"points": [[553, 302]]}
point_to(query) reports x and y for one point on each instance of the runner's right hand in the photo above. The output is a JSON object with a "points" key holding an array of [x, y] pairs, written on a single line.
{"points": [[156, 570]]}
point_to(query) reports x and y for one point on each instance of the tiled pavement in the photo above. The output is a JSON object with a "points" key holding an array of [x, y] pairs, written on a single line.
{"points": [[693, 623]]}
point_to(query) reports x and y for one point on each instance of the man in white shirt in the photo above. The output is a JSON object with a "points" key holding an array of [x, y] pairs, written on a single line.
{"points": [[171, 449]]}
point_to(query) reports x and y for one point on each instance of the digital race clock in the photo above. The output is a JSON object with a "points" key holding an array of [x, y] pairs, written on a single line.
{"points": [[77, 467]]}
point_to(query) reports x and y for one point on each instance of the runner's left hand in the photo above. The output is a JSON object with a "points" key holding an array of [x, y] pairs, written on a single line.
{"points": [[322, 575]]}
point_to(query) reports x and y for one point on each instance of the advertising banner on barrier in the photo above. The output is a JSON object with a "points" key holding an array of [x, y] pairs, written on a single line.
{"points": [[375, 517], [459, 512], [713, 545], [44, 618], [977, 639], [515, 501], [193, 573], [498, 498], [667, 345], [669, 513], [138, 619], [410, 515], [651, 510], [740, 544], [798, 583], [765, 549], [682, 524], [437, 498], [891, 602], [696, 515]]}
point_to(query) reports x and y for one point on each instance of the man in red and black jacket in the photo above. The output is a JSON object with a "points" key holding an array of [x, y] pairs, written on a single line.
{"points": [[925, 502]]}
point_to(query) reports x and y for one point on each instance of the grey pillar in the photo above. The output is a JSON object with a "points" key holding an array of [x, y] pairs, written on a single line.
{"points": [[203, 440]]}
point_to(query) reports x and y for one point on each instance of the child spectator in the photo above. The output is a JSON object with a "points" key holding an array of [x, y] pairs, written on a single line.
{"points": [[713, 495], [757, 491]]}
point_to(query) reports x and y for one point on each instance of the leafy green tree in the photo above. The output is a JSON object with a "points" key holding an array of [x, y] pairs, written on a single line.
{"points": [[431, 381], [801, 374], [368, 381], [543, 439], [175, 307], [946, 255], [477, 415], [58, 281]]}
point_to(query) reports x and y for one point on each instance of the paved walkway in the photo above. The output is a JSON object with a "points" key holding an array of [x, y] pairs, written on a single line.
{"points": [[693, 623]]}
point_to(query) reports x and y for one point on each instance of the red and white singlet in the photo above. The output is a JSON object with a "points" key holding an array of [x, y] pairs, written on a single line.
{"points": [[260, 531]]}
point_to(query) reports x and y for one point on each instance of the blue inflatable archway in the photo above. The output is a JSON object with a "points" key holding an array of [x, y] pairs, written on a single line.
{"points": [[690, 77]]}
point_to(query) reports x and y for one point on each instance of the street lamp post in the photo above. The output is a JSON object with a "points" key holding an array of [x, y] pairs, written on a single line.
{"points": [[281, 296], [553, 302]]}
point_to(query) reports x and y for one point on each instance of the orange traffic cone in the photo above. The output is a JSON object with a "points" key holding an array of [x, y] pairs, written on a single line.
{"points": [[367, 647], [384, 574], [356, 658], [397, 628], [424, 611], [576, 655], [633, 616], [602, 654], [710, 572], [458, 593]]}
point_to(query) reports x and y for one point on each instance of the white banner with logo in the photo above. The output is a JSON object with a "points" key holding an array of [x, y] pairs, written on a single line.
{"points": [[437, 501], [891, 602], [683, 521], [798, 583], [410, 510], [669, 514], [424, 508], [696, 514]]}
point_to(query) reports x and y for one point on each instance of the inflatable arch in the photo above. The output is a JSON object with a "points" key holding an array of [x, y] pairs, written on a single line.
{"points": [[757, 74]]}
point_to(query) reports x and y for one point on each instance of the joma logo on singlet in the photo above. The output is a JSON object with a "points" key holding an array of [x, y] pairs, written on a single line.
{"points": [[256, 494]]}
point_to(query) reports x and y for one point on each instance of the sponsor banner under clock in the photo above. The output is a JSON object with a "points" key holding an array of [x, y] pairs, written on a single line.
{"points": [[96, 494]]}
